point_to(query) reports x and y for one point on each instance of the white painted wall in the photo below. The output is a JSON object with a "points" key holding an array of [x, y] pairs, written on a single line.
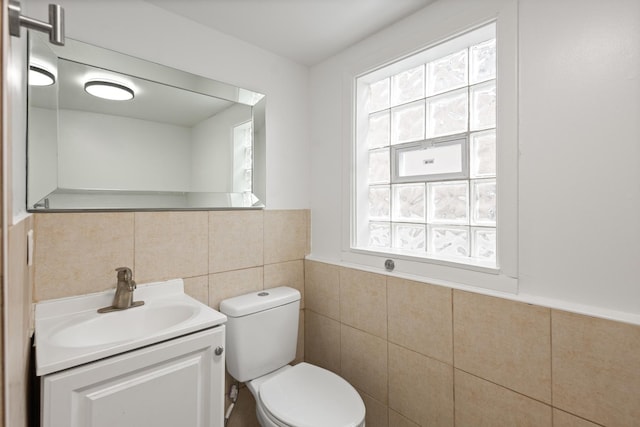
{"points": [[120, 153], [209, 161], [43, 153], [579, 138], [140, 29], [92, 150], [211, 153], [580, 152], [579, 102]]}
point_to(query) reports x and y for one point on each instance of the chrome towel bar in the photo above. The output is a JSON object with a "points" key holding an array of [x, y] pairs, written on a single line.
{"points": [[55, 26]]}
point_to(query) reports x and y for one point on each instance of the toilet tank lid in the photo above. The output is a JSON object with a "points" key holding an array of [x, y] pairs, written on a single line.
{"points": [[259, 301]]}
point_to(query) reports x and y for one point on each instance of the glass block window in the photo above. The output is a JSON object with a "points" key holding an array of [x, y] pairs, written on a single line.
{"points": [[426, 153], [242, 158]]}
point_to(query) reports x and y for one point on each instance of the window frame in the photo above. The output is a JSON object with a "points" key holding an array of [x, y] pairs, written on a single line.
{"points": [[426, 144], [441, 271]]}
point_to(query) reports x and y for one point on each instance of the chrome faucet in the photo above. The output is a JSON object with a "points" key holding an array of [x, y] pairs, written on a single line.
{"points": [[123, 298]]}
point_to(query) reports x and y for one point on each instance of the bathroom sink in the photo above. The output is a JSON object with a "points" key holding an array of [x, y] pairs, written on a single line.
{"points": [[70, 331], [122, 325]]}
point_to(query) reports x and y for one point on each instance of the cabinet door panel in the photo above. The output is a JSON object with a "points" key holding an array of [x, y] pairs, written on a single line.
{"points": [[175, 383]]}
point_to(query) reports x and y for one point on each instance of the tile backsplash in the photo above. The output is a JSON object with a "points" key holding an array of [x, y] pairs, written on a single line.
{"points": [[231, 251], [78, 253]]}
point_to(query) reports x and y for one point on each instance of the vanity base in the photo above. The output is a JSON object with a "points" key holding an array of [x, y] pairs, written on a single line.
{"points": [[179, 382]]}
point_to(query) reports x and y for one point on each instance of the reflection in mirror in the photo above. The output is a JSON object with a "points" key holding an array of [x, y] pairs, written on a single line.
{"points": [[181, 142]]}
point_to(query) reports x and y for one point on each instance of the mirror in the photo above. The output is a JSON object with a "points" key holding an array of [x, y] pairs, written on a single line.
{"points": [[182, 142]]}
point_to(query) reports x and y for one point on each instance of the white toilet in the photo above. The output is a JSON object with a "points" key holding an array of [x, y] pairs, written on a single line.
{"points": [[262, 332]]}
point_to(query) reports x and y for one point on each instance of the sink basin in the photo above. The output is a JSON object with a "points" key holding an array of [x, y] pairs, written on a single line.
{"points": [[71, 332], [122, 325]]}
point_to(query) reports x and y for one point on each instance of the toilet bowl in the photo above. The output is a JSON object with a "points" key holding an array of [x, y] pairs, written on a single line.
{"points": [[306, 395], [261, 334]]}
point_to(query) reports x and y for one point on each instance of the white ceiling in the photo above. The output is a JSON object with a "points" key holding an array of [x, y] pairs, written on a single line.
{"points": [[305, 31]]}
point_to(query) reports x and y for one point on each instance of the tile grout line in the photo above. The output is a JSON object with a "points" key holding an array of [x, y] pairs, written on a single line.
{"points": [[386, 284], [519, 393], [551, 363], [453, 357]]}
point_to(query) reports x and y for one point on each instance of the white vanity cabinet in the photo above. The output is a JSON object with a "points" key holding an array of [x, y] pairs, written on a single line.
{"points": [[179, 382]]}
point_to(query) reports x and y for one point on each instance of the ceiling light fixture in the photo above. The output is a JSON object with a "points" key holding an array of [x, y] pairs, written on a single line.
{"points": [[39, 76], [109, 90]]}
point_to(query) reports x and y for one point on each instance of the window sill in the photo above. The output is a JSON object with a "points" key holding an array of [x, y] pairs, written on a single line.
{"points": [[390, 253], [434, 271]]}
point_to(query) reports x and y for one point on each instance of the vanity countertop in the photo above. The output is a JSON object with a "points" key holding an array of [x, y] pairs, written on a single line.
{"points": [[70, 332]]}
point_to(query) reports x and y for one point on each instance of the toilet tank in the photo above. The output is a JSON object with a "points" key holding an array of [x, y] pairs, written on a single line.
{"points": [[262, 331]]}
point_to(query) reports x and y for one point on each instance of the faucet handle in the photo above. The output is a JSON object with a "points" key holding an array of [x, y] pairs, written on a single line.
{"points": [[124, 274]]}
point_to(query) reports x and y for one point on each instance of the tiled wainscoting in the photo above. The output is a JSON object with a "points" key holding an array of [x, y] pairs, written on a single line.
{"points": [[420, 355], [220, 254], [423, 355]]}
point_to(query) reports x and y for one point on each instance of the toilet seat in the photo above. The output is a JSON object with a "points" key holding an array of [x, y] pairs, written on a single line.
{"points": [[308, 396]]}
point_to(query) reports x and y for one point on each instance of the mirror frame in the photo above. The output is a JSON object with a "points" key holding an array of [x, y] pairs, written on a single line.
{"points": [[131, 66]]}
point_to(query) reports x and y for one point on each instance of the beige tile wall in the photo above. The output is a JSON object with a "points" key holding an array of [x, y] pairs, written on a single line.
{"points": [[19, 325], [596, 369], [219, 254], [423, 355], [420, 355], [2, 357]]}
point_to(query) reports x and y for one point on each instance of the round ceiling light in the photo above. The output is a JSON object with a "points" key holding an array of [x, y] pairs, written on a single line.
{"points": [[39, 76], [109, 90]]}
